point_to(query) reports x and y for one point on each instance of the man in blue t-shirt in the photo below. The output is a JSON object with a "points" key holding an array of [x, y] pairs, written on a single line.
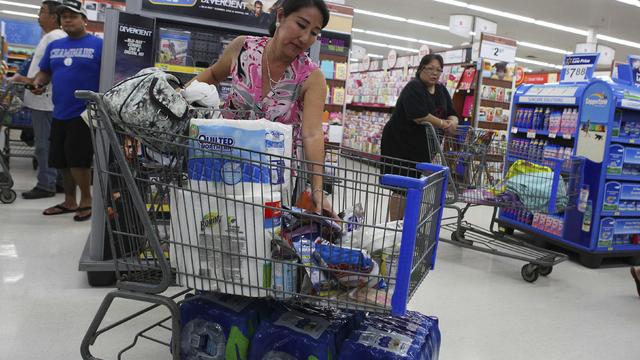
{"points": [[70, 64]]}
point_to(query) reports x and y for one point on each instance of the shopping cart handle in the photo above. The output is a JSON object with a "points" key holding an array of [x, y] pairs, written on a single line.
{"points": [[430, 168], [87, 95]]}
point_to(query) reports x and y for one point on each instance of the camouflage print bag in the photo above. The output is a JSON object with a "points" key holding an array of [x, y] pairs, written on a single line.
{"points": [[149, 105]]}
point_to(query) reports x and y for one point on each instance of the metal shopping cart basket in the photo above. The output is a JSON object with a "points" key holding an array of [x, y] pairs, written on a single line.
{"points": [[525, 183], [179, 214], [10, 105], [18, 126]]}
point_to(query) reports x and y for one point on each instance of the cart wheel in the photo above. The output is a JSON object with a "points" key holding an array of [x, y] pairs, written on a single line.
{"points": [[8, 196], [101, 278], [34, 163], [529, 272], [506, 230], [545, 270]]}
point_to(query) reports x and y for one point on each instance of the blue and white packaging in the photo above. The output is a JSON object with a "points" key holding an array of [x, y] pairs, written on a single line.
{"points": [[241, 155], [208, 231], [294, 335]]}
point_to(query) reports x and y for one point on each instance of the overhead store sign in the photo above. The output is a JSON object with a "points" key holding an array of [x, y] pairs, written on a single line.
{"points": [[498, 48], [578, 67], [634, 63], [240, 12], [461, 25]]}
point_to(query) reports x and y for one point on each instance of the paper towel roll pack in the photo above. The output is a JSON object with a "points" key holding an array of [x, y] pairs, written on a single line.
{"points": [[224, 243]]}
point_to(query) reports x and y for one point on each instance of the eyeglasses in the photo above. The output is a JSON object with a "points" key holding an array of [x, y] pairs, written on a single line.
{"points": [[432, 70]]}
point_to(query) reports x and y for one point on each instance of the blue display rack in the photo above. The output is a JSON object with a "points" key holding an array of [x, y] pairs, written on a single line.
{"points": [[607, 137]]}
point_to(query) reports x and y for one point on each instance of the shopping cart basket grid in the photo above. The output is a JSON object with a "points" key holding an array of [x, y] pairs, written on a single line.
{"points": [[170, 224]]}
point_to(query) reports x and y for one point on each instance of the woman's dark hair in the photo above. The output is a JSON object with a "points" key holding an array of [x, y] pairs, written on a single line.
{"points": [[427, 59], [291, 6]]}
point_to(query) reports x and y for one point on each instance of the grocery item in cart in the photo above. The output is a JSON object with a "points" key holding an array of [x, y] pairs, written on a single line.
{"points": [[298, 335], [218, 326], [224, 243], [236, 155]]}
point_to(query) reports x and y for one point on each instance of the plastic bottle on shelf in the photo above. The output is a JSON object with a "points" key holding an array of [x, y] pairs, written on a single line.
{"points": [[547, 119], [574, 121], [563, 120]]}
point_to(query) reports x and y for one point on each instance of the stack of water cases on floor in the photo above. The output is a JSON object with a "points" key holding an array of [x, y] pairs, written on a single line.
{"points": [[219, 326], [600, 121]]}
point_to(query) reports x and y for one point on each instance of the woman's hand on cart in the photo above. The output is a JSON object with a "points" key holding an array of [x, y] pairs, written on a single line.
{"points": [[451, 127]]}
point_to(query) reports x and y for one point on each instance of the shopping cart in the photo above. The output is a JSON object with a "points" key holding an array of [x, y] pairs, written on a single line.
{"points": [[10, 104], [18, 128], [168, 227], [525, 183]]}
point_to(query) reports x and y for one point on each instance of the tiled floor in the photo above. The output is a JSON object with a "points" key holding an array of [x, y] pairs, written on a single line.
{"points": [[487, 311]]}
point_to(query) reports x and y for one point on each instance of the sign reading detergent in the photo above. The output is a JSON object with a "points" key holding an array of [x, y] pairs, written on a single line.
{"points": [[578, 67]]}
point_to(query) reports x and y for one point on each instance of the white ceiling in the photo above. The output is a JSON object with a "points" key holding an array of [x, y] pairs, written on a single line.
{"points": [[608, 17]]}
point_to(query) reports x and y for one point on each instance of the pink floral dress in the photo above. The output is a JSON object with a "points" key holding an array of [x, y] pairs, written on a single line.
{"points": [[284, 102]]}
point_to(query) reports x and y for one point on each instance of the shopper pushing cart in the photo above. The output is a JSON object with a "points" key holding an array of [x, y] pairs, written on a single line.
{"points": [[529, 185]]}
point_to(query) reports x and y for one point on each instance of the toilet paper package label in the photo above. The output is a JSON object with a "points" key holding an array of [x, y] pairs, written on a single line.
{"points": [[238, 155]]}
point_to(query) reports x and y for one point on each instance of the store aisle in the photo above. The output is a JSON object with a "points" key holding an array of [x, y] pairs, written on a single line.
{"points": [[486, 310]]}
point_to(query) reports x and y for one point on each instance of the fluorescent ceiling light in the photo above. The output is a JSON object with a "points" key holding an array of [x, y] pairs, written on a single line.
{"points": [[536, 62], [618, 41], [13, 3], [375, 56], [512, 16], [428, 24], [20, 13], [543, 47], [631, 2], [353, 60], [380, 15], [403, 38], [372, 43]]}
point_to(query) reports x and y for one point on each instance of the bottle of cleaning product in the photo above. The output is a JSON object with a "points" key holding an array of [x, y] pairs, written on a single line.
{"points": [[547, 119], [586, 220]]}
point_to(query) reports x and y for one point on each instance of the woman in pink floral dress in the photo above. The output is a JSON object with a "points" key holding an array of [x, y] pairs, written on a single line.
{"points": [[274, 76]]}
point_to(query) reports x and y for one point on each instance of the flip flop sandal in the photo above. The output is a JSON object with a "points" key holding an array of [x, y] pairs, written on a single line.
{"points": [[84, 217], [63, 210], [636, 278]]}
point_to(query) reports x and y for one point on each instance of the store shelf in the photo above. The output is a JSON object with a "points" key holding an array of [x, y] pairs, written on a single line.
{"points": [[336, 82], [545, 133], [492, 125], [620, 213], [498, 83], [623, 177], [17, 57], [620, 140], [627, 247], [333, 107], [528, 228], [369, 106], [495, 104], [467, 91], [192, 70]]}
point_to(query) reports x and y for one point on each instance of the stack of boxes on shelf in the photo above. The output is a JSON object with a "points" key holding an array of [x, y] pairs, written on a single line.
{"points": [[495, 114]]}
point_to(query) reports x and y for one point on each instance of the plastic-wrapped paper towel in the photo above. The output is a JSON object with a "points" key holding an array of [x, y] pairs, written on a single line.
{"points": [[238, 156], [223, 243]]}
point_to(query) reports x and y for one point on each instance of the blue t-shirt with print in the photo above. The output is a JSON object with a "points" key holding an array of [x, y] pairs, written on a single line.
{"points": [[74, 64]]}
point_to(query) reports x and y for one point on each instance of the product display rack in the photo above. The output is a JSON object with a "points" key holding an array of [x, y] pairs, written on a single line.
{"points": [[607, 222], [16, 55]]}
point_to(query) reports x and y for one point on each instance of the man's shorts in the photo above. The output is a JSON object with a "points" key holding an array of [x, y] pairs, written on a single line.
{"points": [[71, 145]]}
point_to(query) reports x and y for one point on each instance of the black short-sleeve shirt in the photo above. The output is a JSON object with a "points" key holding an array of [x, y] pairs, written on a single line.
{"points": [[402, 137]]}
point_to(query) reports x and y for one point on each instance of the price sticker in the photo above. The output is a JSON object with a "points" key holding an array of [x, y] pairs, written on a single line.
{"points": [[632, 141], [531, 134], [552, 135], [576, 73], [566, 136], [514, 130]]}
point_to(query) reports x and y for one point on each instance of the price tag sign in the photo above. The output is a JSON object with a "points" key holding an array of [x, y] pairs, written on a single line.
{"points": [[566, 136], [514, 130], [498, 48], [552, 135], [531, 134], [578, 67]]}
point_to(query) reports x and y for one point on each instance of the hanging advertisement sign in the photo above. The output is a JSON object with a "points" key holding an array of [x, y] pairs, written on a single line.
{"points": [[242, 12], [335, 43], [424, 51], [578, 67], [392, 59], [519, 75], [498, 48], [134, 49], [461, 25], [634, 63]]}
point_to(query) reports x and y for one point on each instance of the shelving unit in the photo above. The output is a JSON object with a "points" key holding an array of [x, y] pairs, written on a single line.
{"points": [[609, 225]]}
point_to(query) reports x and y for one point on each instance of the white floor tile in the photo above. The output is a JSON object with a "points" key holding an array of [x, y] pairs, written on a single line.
{"points": [[486, 310]]}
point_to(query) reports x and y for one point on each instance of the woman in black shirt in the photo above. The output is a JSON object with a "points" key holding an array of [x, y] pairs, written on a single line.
{"points": [[423, 100]]}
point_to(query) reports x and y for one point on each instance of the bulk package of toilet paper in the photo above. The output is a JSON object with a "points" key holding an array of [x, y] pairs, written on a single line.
{"points": [[216, 326], [225, 216]]}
